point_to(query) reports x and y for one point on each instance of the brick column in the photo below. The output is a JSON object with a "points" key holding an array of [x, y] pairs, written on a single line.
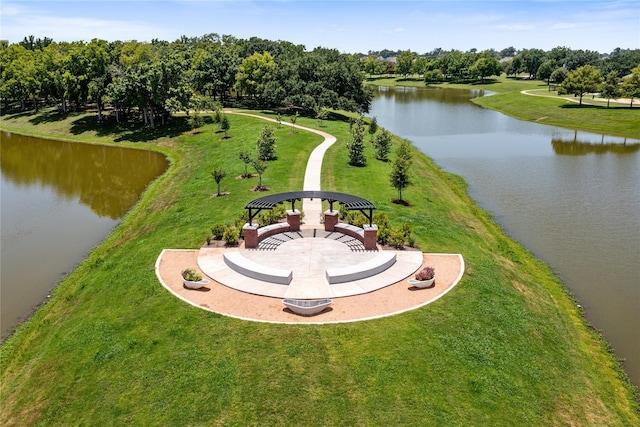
{"points": [[293, 218], [250, 235], [370, 236], [330, 220]]}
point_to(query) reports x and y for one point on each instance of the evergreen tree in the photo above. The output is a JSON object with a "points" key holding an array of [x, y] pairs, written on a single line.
{"points": [[382, 144], [373, 127], [225, 125]]}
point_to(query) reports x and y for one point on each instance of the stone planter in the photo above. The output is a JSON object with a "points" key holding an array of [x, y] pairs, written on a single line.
{"points": [[422, 283], [194, 285]]}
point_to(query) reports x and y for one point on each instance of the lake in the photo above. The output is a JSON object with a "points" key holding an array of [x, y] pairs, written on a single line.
{"points": [[571, 197], [59, 199]]}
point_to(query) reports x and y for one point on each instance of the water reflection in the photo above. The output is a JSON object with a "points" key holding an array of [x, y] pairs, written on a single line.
{"points": [[403, 94], [107, 179], [580, 146]]}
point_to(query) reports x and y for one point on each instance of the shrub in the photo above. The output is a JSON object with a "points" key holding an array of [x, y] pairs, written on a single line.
{"points": [[231, 236], [396, 239], [217, 230]]}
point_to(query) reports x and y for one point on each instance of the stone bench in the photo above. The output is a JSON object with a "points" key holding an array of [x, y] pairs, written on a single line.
{"points": [[271, 230], [362, 270], [243, 265], [350, 230]]}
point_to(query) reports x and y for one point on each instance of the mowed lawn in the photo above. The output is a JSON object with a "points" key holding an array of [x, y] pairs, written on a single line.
{"points": [[507, 347]]}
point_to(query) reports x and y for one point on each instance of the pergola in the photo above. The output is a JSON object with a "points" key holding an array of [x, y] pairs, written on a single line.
{"points": [[349, 201]]}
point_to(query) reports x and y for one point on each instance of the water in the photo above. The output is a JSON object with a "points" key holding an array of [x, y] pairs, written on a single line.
{"points": [[59, 199], [572, 198]]}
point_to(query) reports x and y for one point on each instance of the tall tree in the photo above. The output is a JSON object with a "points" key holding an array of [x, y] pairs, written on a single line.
{"points": [[545, 70], [255, 72], [583, 80]]}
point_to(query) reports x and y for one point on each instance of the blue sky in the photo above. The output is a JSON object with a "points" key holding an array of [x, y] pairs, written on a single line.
{"points": [[349, 26]]}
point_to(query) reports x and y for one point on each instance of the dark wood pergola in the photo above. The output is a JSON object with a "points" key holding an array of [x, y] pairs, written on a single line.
{"points": [[349, 201]]}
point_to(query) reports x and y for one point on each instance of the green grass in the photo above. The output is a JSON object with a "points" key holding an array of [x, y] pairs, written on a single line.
{"points": [[112, 347], [546, 108]]}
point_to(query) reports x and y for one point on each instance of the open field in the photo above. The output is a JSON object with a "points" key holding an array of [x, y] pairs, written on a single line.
{"points": [[547, 107], [506, 347]]}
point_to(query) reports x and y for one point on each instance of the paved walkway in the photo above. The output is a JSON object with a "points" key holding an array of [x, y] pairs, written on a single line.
{"points": [[312, 208]]}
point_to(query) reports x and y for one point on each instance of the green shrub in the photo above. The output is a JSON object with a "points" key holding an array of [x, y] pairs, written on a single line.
{"points": [[231, 236], [396, 239], [191, 275], [217, 230]]}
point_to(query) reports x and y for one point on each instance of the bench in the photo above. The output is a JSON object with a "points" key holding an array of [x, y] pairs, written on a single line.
{"points": [[307, 307], [363, 270], [243, 265], [271, 230], [350, 230]]}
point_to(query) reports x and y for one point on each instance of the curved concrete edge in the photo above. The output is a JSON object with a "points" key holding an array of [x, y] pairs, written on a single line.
{"points": [[239, 263], [294, 322]]}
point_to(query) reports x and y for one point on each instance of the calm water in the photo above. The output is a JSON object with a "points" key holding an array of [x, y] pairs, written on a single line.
{"points": [[572, 198], [59, 199]]}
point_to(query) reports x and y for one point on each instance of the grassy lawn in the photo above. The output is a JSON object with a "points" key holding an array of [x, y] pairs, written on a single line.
{"points": [[112, 347], [545, 108]]}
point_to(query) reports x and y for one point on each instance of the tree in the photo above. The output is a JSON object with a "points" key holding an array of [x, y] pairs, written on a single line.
{"points": [[218, 175], [293, 119], [382, 145], [260, 167], [266, 144], [532, 59], [419, 65], [225, 125], [611, 88], [255, 72], [356, 145], [373, 127], [485, 66], [321, 114], [558, 75], [246, 159], [545, 70], [405, 61], [583, 80], [400, 178], [631, 86]]}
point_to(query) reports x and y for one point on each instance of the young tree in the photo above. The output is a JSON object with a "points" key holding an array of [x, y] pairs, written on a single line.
{"points": [[582, 80], [356, 146], [373, 127], [260, 167], [399, 176], [611, 88], [321, 114], [225, 125], [246, 159], [218, 175], [266, 144], [382, 144]]}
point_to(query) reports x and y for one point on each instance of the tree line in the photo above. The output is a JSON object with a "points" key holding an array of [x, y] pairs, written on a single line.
{"points": [[454, 65], [155, 79]]}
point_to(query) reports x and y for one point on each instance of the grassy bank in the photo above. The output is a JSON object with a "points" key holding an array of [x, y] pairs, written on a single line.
{"points": [[545, 107], [506, 347]]}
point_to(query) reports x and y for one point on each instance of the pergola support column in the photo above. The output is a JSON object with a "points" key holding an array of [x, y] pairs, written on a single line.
{"points": [[370, 236]]}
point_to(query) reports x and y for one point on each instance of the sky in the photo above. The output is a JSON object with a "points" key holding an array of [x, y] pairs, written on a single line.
{"points": [[356, 26]]}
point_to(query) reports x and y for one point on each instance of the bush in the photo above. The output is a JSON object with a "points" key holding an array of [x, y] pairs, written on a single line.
{"points": [[396, 239], [231, 236], [191, 275], [217, 230]]}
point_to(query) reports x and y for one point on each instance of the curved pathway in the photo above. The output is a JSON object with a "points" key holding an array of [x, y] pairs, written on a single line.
{"points": [[312, 208]]}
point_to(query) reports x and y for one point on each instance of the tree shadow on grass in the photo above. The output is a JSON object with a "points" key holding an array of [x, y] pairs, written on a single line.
{"points": [[51, 116], [129, 131]]}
